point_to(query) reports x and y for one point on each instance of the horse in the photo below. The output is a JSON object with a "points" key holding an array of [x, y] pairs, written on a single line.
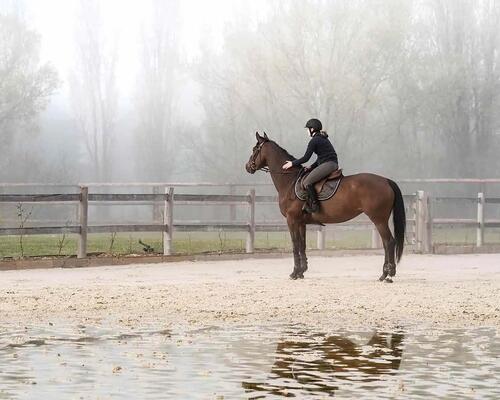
{"points": [[334, 358], [374, 195]]}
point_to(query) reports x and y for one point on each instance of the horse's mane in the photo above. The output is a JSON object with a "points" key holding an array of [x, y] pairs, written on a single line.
{"points": [[288, 155]]}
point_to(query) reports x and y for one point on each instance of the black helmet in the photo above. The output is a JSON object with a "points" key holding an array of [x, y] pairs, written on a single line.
{"points": [[314, 124]]}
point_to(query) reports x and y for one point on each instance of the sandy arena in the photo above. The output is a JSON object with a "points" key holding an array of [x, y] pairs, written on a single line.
{"points": [[442, 291]]}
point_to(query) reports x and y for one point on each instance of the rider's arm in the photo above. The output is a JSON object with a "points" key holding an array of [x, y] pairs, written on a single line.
{"points": [[307, 156]]}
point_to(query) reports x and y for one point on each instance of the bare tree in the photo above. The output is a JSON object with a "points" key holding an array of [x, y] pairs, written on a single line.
{"points": [[454, 83], [307, 59], [402, 85], [23, 216], [157, 90], [93, 87]]}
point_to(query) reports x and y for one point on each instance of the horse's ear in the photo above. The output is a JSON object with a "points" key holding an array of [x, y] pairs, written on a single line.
{"points": [[258, 137], [265, 136]]}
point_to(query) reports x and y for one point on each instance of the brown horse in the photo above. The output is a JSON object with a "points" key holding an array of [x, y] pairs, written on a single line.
{"points": [[335, 358], [371, 194]]}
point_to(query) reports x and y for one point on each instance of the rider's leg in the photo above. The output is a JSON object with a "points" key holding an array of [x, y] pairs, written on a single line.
{"points": [[318, 173], [312, 203]]}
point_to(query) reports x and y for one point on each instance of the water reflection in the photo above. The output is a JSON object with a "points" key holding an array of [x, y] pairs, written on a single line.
{"points": [[247, 362], [58, 361], [313, 364]]}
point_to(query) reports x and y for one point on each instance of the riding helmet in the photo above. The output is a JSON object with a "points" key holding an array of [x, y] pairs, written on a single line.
{"points": [[314, 124]]}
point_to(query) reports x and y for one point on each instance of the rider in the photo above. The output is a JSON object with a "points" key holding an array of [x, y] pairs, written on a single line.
{"points": [[326, 163]]}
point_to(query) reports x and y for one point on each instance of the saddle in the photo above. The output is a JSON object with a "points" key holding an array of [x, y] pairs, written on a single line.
{"points": [[325, 188]]}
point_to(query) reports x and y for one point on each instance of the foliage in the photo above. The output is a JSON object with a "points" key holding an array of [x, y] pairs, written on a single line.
{"points": [[405, 88], [25, 83]]}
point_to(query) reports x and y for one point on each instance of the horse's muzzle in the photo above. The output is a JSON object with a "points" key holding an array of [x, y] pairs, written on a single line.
{"points": [[250, 167]]}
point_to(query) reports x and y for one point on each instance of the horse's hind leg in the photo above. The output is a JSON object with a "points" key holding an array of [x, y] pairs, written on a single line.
{"points": [[389, 268]]}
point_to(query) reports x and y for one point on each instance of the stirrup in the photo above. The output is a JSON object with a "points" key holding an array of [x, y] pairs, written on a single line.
{"points": [[307, 208], [310, 207]]}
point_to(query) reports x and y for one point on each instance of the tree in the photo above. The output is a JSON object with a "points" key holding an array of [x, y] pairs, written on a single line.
{"points": [[452, 84], [93, 88], [307, 59], [156, 93], [25, 84], [405, 87]]}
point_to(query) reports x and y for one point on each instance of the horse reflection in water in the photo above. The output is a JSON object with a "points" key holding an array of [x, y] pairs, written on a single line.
{"points": [[312, 365]]}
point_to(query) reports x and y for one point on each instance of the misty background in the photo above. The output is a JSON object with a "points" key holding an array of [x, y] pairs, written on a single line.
{"points": [[173, 91]]}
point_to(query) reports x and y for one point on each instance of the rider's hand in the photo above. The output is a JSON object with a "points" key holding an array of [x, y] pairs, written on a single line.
{"points": [[287, 165]]}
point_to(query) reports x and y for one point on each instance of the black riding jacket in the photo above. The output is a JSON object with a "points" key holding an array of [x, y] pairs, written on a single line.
{"points": [[320, 145]]}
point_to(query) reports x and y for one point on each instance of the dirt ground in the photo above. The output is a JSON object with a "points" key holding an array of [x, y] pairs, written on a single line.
{"points": [[441, 291]]}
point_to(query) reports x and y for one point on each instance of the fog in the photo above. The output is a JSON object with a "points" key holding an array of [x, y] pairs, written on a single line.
{"points": [[173, 91]]}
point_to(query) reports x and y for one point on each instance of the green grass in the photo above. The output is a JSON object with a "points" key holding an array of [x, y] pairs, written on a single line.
{"points": [[463, 235], [184, 243], [203, 242]]}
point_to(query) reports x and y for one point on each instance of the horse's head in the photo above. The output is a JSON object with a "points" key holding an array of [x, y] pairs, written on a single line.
{"points": [[258, 158]]}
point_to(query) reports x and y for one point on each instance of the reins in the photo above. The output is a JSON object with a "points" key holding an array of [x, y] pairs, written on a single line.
{"points": [[266, 169], [281, 172]]}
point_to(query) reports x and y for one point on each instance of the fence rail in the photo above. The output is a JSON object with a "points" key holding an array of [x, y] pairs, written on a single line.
{"points": [[169, 226], [426, 221], [420, 220]]}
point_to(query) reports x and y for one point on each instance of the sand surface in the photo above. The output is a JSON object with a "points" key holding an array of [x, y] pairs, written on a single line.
{"points": [[441, 291]]}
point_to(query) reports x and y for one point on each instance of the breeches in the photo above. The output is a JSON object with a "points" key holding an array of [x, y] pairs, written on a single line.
{"points": [[320, 172]]}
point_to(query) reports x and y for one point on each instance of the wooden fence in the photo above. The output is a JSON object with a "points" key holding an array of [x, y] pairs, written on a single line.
{"points": [[169, 199], [420, 221], [425, 221]]}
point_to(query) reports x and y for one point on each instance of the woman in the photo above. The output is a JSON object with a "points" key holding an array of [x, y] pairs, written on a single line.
{"points": [[326, 163]]}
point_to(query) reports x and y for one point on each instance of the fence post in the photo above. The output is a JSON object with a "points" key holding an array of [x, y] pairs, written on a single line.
{"points": [[84, 213], [428, 224], [232, 207], [168, 221], [483, 188], [251, 223], [321, 238], [420, 219], [412, 210], [480, 220]]}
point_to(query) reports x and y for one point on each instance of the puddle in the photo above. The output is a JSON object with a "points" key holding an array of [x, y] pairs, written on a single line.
{"points": [[88, 362]]}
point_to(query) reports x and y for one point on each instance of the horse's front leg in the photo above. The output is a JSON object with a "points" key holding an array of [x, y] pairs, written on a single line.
{"points": [[295, 236], [302, 250]]}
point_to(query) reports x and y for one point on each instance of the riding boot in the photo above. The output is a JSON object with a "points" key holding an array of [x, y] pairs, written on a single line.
{"points": [[312, 204]]}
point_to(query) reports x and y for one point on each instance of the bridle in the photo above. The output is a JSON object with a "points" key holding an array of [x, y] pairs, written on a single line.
{"points": [[256, 154]]}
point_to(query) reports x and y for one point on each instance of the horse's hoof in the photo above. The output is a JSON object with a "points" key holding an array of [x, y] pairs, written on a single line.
{"points": [[293, 276], [381, 279], [388, 280], [300, 276]]}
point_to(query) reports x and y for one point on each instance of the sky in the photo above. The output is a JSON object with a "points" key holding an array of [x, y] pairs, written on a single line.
{"points": [[55, 21]]}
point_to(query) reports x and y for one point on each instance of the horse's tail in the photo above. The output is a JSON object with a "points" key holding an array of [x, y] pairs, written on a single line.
{"points": [[399, 218]]}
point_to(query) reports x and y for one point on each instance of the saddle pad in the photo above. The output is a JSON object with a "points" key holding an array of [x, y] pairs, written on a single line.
{"points": [[327, 192]]}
